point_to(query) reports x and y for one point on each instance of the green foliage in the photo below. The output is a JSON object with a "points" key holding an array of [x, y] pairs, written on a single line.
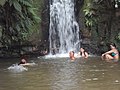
{"points": [[118, 36], [117, 41], [16, 19], [2, 2], [17, 5], [90, 14]]}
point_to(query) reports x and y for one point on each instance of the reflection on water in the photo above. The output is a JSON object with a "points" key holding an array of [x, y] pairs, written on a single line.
{"points": [[62, 74]]}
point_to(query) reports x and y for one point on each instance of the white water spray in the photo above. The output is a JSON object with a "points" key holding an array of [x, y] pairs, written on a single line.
{"points": [[63, 30]]}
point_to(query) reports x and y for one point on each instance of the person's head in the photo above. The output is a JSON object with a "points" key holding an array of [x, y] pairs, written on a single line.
{"points": [[112, 46], [82, 50], [23, 60], [71, 53]]}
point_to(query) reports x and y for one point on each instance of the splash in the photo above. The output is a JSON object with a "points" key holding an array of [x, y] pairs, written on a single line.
{"points": [[15, 68], [63, 30]]}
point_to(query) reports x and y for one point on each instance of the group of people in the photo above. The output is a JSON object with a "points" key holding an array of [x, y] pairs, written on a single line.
{"points": [[81, 53], [111, 55]]}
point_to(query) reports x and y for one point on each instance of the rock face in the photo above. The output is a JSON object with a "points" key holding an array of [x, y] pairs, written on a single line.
{"points": [[79, 17], [45, 20], [89, 40]]}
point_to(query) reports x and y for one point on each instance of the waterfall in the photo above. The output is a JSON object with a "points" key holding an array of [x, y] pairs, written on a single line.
{"points": [[63, 28]]}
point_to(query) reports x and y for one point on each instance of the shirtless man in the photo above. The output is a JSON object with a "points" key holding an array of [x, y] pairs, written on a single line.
{"points": [[71, 55]]}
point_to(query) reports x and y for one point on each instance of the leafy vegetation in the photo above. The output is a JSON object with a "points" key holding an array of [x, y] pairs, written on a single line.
{"points": [[90, 14], [101, 16], [16, 19], [19, 21]]}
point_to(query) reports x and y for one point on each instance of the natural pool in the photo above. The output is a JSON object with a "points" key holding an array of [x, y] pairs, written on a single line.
{"points": [[61, 74]]}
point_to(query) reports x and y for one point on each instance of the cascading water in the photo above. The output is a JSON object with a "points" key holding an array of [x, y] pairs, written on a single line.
{"points": [[63, 30]]}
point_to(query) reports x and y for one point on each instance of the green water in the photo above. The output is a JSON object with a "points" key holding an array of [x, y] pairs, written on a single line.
{"points": [[61, 74]]}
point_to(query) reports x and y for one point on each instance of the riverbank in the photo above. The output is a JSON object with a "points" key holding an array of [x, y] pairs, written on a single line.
{"points": [[33, 54]]}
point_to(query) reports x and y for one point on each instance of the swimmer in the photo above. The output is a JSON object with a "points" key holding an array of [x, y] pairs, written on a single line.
{"points": [[71, 55], [83, 53], [22, 62]]}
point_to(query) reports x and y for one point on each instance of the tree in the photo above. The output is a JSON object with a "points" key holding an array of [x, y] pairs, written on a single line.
{"points": [[16, 19]]}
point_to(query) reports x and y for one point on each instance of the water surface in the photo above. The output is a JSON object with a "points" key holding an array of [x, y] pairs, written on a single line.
{"points": [[62, 74]]}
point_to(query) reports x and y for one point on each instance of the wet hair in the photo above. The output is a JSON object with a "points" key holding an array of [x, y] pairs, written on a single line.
{"points": [[108, 45], [72, 52], [24, 57], [113, 44]]}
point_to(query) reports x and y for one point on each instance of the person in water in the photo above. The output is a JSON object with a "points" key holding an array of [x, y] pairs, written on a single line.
{"points": [[112, 54], [23, 60], [83, 53], [71, 55]]}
